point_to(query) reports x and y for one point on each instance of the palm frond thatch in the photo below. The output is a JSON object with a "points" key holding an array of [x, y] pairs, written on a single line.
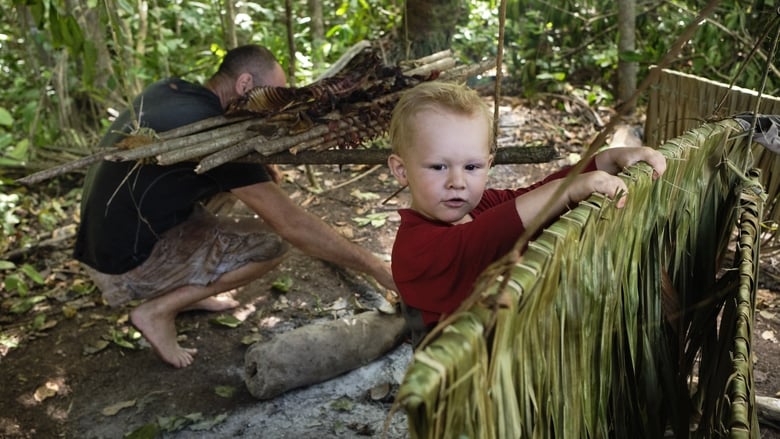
{"points": [[613, 322]]}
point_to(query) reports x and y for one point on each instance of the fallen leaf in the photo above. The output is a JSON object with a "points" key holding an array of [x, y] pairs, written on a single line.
{"points": [[120, 338], [46, 391], [146, 431], [282, 284], [227, 320], [225, 391], [766, 314], [209, 423], [342, 404], [175, 423], [121, 320], [48, 324], [95, 348], [364, 196], [251, 339], [69, 311], [116, 408], [379, 391], [769, 335]]}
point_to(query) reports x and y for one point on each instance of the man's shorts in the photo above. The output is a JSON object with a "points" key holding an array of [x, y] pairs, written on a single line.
{"points": [[196, 252]]}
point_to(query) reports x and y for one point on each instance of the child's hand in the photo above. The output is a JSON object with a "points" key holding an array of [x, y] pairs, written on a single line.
{"points": [[598, 181], [614, 160]]}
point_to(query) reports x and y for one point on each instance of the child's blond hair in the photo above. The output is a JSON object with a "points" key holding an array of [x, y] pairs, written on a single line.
{"points": [[434, 95]]}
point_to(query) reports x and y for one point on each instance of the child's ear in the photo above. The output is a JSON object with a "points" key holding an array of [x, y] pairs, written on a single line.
{"points": [[397, 168]]}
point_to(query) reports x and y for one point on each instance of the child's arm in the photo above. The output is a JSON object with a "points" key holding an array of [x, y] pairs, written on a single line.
{"points": [[531, 205], [614, 160]]}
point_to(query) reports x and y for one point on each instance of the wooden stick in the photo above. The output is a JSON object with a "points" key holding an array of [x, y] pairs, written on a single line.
{"points": [[466, 71], [203, 148], [344, 59], [229, 154], [66, 167], [378, 156], [156, 148], [202, 125], [429, 59], [442, 64]]}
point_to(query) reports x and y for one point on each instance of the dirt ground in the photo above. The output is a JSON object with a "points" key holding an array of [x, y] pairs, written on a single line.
{"points": [[73, 378]]}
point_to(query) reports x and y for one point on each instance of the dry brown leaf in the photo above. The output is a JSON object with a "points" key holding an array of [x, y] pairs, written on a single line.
{"points": [[46, 391], [116, 408]]}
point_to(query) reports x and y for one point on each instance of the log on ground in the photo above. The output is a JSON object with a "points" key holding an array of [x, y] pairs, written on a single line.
{"points": [[318, 352]]}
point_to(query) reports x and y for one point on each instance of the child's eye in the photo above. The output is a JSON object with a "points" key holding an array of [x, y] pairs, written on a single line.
{"points": [[437, 167], [472, 167]]}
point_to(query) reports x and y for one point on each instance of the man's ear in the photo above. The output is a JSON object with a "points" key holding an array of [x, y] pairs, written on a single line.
{"points": [[397, 168], [244, 83]]}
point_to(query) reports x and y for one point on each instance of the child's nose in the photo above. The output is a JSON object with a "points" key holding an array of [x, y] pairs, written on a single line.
{"points": [[456, 180]]}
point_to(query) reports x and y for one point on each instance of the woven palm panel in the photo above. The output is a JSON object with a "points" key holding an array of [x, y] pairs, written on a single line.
{"points": [[613, 323], [679, 102]]}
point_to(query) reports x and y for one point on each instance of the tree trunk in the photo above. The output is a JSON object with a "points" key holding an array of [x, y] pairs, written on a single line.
{"points": [[288, 12], [123, 37], [317, 38], [158, 29], [317, 33], [428, 26], [229, 22], [627, 69], [143, 28]]}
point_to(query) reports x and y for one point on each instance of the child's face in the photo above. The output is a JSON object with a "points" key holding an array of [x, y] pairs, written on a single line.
{"points": [[446, 166]]}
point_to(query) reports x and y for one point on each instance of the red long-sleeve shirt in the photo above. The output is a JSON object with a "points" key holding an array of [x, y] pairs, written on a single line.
{"points": [[435, 264]]}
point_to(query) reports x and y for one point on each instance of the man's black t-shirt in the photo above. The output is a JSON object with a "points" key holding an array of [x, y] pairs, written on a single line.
{"points": [[125, 207]]}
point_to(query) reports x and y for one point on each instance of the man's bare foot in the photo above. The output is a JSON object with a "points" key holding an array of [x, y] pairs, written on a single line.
{"points": [[214, 304], [160, 332]]}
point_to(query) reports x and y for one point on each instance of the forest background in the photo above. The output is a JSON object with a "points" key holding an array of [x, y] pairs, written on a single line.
{"points": [[68, 66]]}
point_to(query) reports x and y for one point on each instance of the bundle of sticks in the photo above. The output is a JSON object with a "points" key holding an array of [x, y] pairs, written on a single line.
{"points": [[347, 107]]}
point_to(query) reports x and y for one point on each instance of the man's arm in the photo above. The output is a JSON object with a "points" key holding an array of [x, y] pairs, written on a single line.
{"points": [[309, 233]]}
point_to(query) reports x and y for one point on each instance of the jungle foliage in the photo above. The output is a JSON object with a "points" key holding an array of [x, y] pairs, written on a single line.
{"points": [[67, 63], [68, 66]]}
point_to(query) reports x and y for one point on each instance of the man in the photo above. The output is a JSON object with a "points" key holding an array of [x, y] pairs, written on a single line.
{"points": [[143, 235]]}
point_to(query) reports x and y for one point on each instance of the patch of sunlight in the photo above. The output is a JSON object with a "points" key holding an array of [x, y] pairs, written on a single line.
{"points": [[243, 312], [8, 342], [52, 387], [270, 322]]}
